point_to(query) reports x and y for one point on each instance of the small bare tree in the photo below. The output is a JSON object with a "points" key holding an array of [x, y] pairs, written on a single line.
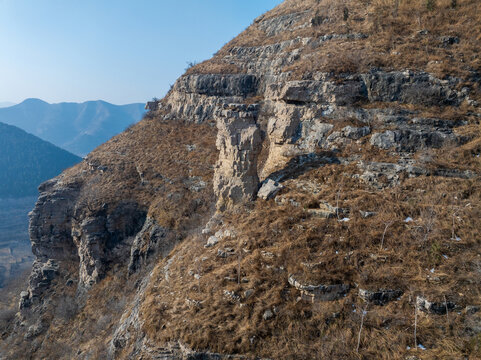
{"points": [[386, 226], [426, 224], [415, 323], [364, 313]]}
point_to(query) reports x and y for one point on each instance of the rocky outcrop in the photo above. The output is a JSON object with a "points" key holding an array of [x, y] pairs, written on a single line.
{"points": [[218, 85], [40, 279], [438, 308], [51, 219], [298, 116], [103, 236], [62, 230], [412, 88], [321, 292], [199, 97], [151, 239], [379, 297], [238, 141], [50, 234], [269, 189], [276, 25]]}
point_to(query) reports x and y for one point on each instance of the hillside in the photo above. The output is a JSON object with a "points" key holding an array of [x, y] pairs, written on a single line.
{"points": [[75, 127], [15, 250], [26, 161], [310, 192]]}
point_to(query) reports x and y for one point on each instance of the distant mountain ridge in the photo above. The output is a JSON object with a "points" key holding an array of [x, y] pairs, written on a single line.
{"points": [[26, 161], [76, 127]]}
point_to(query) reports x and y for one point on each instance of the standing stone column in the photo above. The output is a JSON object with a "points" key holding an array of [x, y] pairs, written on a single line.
{"points": [[239, 142]]}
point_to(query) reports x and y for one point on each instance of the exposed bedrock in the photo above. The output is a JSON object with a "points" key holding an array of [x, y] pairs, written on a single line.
{"points": [[50, 234], [105, 236], [151, 239], [218, 85], [298, 119], [239, 143], [412, 88], [64, 230]]}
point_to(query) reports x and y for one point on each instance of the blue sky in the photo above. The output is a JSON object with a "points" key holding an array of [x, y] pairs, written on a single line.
{"points": [[120, 51]]}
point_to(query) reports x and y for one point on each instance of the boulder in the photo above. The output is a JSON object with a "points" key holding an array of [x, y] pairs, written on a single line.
{"points": [[321, 292], [379, 297], [269, 189], [211, 241], [268, 314], [438, 308]]}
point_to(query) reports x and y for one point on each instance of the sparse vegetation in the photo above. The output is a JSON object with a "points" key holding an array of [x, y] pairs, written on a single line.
{"points": [[421, 236]]}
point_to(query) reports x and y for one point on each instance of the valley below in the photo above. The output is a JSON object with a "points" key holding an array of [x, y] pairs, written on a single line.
{"points": [[15, 249]]}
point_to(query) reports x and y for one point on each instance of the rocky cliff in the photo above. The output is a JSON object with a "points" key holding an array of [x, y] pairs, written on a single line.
{"points": [[311, 191]]}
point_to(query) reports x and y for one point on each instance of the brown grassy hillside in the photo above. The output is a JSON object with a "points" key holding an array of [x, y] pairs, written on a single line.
{"points": [[344, 261]]}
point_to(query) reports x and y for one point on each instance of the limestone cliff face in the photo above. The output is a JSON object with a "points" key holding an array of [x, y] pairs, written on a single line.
{"points": [[297, 118], [251, 116]]}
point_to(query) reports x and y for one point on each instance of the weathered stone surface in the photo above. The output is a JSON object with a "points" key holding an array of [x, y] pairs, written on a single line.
{"points": [[103, 236], [50, 220], [319, 91], [269, 189], [151, 239], [381, 174], [40, 279], [211, 241], [381, 296], [412, 140], [355, 133], [268, 314], [328, 211], [438, 308], [283, 127], [218, 85], [238, 141], [319, 292], [410, 87], [289, 22]]}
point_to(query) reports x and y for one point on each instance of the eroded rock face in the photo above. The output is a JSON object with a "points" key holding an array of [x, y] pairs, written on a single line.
{"points": [[322, 292], [218, 85], [238, 141], [438, 308], [50, 220], [50, 234], [63, 231], [412, 88], [103, 236], [379, 297], [298, 116], [152, 238]]}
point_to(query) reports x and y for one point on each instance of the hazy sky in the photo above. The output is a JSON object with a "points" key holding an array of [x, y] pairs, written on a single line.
{"points": [[120, 51]]}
